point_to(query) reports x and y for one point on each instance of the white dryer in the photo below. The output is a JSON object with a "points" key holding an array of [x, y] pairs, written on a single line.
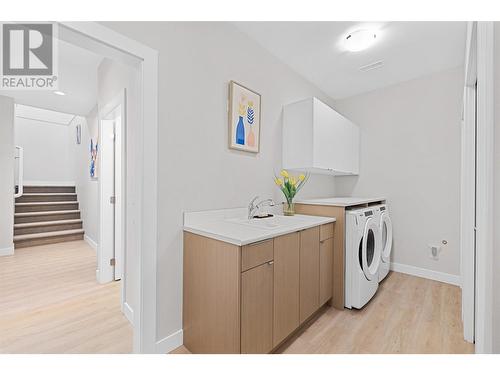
{"points": [[386, 240], [362, 256]]}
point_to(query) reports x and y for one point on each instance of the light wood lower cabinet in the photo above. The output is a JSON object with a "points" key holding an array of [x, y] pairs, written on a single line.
{"points": [[338, 289], [286, 286], [325, 270], [257, 309], [309, 272], [249, 299]]}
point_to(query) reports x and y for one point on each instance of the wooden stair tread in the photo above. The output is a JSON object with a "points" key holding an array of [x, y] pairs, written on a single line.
{"points": [[47, 223], [48, 234], [43, 213], [46, 194], [45, 203]]}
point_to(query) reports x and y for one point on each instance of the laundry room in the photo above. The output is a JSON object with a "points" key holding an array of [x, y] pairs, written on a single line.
{"points": [[260, 188]]}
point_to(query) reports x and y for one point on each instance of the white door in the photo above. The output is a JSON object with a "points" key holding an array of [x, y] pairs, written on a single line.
{"points": [[386, 237], [370, 250], [119, 246], [111, 246], [107, 201]]}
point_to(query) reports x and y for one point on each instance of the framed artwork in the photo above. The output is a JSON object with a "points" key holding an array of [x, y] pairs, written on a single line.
{"points": [[94, 154], [244, 118]]}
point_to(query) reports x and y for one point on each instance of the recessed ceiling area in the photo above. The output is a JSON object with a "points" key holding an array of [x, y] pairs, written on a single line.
{"points": [[77, 80], [402, 51]]}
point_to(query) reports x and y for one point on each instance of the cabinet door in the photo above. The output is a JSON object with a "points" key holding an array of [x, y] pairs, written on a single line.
{"points": [[257, 309], [309, 272], [325, 270], [336, 140], [286, 286]]}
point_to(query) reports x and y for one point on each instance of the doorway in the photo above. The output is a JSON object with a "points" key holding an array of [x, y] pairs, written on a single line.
{"points": [[139, 218]]}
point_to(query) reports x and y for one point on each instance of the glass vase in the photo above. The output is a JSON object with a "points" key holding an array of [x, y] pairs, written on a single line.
{"points": [[288, 208]]}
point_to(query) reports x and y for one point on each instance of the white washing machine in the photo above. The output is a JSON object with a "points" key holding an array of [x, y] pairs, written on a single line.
{"points": [[362, 256], [385, 224]]}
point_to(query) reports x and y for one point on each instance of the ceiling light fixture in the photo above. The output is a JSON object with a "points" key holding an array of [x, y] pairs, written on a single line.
{"points": [[60, 93], [359, 40]]}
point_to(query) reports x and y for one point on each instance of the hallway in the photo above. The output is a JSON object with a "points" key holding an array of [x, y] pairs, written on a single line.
{"points": [[50, 302]]}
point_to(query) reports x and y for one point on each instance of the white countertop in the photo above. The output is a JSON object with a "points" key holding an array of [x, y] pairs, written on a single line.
{"points": [[232, 225], [340, 201]]}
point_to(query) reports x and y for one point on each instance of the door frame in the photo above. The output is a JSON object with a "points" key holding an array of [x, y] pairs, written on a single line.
{"points": [[468, 186], [484, 189], [145, 181]]}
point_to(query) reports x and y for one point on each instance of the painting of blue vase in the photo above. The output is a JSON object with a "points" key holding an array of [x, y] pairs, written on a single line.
{"points": [[240, 132], [244, 118]]}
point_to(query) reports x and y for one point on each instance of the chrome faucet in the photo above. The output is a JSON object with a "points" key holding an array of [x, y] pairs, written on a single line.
{"points": [[253, 207]]}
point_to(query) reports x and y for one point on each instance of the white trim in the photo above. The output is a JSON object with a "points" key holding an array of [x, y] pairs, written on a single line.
{"points": [[128, 312], [468, 186], [146, 181], [7, 251], [169, 343], [48, 183], [484, 190], [90, 242], [447, 278]]}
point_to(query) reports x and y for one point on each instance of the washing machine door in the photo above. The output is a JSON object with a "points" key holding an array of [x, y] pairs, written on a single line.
{"points": [[386, 237], [370, 250]]}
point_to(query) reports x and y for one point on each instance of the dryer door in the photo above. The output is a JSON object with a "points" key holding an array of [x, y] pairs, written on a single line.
{"points": [[370, 250], [386, 236]]}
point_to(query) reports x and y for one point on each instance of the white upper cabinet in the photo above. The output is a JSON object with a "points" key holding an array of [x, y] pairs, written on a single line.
{"points": [[318, 139]]}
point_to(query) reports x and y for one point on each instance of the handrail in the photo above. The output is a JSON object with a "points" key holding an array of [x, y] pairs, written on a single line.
{"points": [[20, 176]]}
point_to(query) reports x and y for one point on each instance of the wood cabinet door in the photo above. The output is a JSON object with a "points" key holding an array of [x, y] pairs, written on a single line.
{"points": [[325, 270], [257, 309], [286, 286], [309, 272]]}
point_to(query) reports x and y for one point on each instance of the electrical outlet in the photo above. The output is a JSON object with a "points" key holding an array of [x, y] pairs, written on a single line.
{"points": [[435, 250]]}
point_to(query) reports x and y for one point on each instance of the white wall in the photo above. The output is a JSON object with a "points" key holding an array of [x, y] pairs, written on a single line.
{"points": [[86, 187], [7, 175], [47, 154], [496, 247], [197, 170], [410, 153]]}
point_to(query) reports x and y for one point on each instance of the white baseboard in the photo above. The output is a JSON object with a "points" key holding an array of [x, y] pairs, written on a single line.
{"points": [[170, 343], [91, 242], [7, 251], [427, 274], [48, 183], [128, 312]]}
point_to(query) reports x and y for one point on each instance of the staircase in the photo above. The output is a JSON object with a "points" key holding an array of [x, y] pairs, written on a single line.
{"points": [[45, 215]]}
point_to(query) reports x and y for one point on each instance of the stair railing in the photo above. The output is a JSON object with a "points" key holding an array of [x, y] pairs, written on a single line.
{"points": [[19, 157]]}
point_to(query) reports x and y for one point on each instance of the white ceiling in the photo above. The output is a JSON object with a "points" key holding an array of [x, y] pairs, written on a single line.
{"points": [[43, 115], [77, 78], [315, 50]]}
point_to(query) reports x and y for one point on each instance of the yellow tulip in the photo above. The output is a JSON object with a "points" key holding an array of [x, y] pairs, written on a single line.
{"points": [[278, 181], [284, 173], [292, 180], [302, 177]]}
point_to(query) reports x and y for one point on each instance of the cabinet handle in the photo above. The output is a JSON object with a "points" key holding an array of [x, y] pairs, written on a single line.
{"points": [[271, 262]]}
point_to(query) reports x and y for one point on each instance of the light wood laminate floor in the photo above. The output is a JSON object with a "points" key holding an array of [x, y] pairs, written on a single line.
{"points": [[408, 315], [50, 302]]}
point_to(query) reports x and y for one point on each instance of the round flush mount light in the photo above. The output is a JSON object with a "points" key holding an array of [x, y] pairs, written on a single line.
{"points": [[60, 93], [359, 40]]}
